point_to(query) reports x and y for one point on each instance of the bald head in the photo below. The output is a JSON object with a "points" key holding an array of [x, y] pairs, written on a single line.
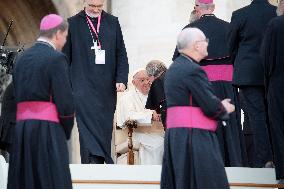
{"points": [[188, 37], [192, 42]]}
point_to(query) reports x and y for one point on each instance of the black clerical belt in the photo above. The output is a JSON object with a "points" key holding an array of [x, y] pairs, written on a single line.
{"points": [[37, 110]]}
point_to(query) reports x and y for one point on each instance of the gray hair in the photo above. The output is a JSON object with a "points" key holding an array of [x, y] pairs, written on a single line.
{"points": [[155, 67], [188, 37], [49, 33], [193, 16], [206, 6]]}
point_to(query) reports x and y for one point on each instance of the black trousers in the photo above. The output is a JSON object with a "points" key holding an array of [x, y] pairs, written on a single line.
{"points": [[276, 120], [88, 158], [247, 132], [254, 106]]}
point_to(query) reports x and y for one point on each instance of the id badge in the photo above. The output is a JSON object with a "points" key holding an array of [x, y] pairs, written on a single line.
{"points": [[100, 56]]}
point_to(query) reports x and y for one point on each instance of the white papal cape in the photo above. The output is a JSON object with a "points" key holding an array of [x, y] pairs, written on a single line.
{"points": [[132, 106]]}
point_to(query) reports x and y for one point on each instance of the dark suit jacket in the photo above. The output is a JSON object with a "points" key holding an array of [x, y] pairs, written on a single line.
{"points": [[245, 37]]}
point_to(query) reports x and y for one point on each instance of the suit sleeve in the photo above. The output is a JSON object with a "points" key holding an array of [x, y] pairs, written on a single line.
{"points": [[62, 93], [268, 54], [122, 68], [202, 93], [155, 96], [233, 35]]}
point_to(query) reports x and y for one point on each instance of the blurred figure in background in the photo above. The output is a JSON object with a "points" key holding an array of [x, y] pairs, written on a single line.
{"points": [[156, 100]]}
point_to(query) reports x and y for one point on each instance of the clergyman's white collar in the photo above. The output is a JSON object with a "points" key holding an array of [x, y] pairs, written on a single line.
{"points": [[41, 39]]}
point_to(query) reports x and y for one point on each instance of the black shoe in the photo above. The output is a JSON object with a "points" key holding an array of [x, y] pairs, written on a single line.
{"points": [[281, 181], [269, 164]]}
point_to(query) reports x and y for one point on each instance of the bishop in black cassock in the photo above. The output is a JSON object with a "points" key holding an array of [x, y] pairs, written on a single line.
{"points": [[192, 158], [45, 113]]}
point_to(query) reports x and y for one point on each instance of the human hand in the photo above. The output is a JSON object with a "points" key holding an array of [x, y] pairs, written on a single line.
{"points": [[120, 87], [228, 106], [156, 117]]}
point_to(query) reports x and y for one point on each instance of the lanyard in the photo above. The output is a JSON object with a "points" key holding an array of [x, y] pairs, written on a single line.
{"points": [[94, 29]]}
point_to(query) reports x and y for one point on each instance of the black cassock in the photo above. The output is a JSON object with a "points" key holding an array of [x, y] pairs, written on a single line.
{"points": [[156, 98], [8, 117], [192, 158], [274, 83], [94, 85], [219, 68], [39, 155]]}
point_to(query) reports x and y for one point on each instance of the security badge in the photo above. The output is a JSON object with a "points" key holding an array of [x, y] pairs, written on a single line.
{"points": [[99, 54]]}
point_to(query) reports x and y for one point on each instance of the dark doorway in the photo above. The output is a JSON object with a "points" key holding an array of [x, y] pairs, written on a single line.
{"points": [[26, 15]]}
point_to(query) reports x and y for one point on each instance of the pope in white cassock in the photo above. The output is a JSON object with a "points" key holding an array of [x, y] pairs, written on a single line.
{"points": [[132, 106]]}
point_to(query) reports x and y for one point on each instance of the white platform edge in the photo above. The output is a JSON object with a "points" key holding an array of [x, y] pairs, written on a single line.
{"points": [[145, 173]]}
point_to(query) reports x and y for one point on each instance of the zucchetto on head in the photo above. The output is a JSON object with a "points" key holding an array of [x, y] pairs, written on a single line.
{"points": [[205, 1], [50, 21]]}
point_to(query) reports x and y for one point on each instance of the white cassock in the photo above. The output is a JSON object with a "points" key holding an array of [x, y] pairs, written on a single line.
{"points": [[132, 106]]}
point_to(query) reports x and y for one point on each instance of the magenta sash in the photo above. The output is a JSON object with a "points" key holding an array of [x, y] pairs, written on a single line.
{"points": [[37, 110], [189, 117], [219, 72]]}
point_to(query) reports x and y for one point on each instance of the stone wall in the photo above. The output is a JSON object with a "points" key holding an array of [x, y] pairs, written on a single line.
{"points": [[150, 27]]}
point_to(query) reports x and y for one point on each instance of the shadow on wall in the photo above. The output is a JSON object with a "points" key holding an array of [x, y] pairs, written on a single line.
{"points": [[26, 15]]}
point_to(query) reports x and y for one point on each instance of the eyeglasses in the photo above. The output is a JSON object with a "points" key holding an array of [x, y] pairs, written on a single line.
{"points": [[142, 79], [204, 40], [96, 6]]}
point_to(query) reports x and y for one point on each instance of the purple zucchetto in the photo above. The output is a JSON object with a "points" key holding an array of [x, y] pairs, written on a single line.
{"points": [[50, 21], [205, 1]]}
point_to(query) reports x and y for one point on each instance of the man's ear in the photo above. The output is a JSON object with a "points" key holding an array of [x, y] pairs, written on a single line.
{"points": [[213, 7], [196, 46], [57, 34]]}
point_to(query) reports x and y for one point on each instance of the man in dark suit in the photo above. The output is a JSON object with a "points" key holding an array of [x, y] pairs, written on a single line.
{"points": [[245, 36], [99, 68], [274, 84]]}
